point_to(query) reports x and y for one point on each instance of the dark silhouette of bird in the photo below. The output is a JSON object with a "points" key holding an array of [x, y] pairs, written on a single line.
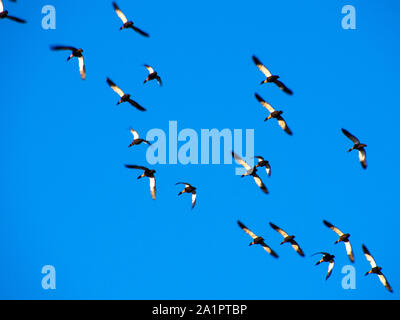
{"points": [[263, 163], [270, 77], [146, 173], [127, 24], [343, 237], [136, 139], [357, 146], [4, 14], [274, 114], [76, 53], [189, 189], [250, 172], [153, 75], [375, 269], [257, 240], [288, 239], [124, 97], [326, 258]]}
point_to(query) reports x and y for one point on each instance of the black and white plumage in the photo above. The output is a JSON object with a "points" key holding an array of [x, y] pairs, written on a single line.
{"points": [[146, 173], [343, 237], [257, 240], [288, 239], [75, 53], [127, 23], [250, 172], [124, 97], [153, 75], [326, 258], [189, 189], [263, 163], [270, 77], [136, 140], [4, 14], [274, 114], [357, 146], [375, 269]]}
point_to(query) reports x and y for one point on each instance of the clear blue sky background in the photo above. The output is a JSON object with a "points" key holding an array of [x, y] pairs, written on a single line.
{"points": [[68, 201]]}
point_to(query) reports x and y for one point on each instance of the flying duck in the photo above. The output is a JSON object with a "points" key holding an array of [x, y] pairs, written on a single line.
{"points": [[357, 146], [189, 189], [76, 53], [152, 75], [257, 240], [4, 14], [263, 163], [147, 173], [270, 77], [375, 269], [274, 114], [343, 237], [287, 238], [124, 97], [326, 258], [127, 24], [250, 172], [136, 139]]}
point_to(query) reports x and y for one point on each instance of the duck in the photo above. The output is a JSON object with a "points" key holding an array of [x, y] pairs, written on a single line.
{"points": [[269, 77], [263, 163], [326, 258], [343, 237], [257, 240], [75, 53], [146, 173], [189, 189], [127, 24], [357, 146], [375, 269], [250, 171], [137, 140], [4, 14], [288, 239], [124, 97], [153, 75], [274, 114]]}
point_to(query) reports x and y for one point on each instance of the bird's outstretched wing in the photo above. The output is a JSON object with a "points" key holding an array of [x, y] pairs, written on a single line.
{"points": [[269, 249], [279, 230], [384, 281], [283, 87], [140, 31], [153, 187], [282, 123], [363, 158], [82, 68], [56, 48], [136, 105], [240, 161], [369, 257], [330, 268], [350, 136], [259, 183], [16, 19], [264, 103], [349, 250], [247, 230], [332, 227], [119, 13], [135, 134], [296, 247], [260, 66], [115, 87], [194, 197], [132, 166]]}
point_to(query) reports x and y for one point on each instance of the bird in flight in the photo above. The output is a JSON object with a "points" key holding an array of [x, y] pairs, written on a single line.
{"points": [[136, 139], [189, 189], [250, 172], [76, 53], [274, 114], [153, 75], [4, 14], [146, 173], [375, 269], [127, 24], [257, 240], [263, 163], [270, 77], [124, 97], [326, 258], [357, 146], [343, 237], [287, 238]]}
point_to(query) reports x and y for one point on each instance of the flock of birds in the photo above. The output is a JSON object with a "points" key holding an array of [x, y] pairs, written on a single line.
{"points": [[250, 171]]}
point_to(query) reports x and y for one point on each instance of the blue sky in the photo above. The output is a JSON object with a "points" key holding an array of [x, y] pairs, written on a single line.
{"points": [[68, 201]]}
